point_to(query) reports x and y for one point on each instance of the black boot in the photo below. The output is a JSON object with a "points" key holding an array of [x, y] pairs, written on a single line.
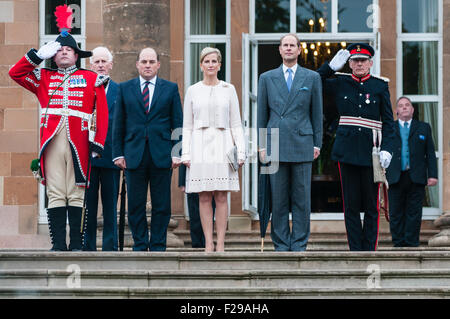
{"points": [[76, 236], [57, 226]]}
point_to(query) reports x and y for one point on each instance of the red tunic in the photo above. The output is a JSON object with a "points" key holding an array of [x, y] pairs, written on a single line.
{"points": [[66, 95]]}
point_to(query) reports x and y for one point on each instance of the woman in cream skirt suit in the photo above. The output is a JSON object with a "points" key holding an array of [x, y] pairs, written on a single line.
{"points": [[211, 126]]}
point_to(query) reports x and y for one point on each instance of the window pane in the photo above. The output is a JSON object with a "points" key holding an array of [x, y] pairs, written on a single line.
{"points": [[428, 112], [272, 16], [313, 16], [208, 16], [355, 16], [50, 19], [420, 67], [196, 48], [419, 16]]}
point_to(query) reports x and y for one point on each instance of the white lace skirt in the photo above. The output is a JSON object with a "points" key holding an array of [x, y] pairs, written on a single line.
{"points": [[209, 169]]}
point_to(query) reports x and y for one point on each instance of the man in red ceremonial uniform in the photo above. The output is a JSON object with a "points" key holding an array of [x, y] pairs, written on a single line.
{"points": [[68, 97]]}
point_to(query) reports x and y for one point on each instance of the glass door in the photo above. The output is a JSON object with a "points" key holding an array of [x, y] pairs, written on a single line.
{"points": [[260, 55], [250, 85]]}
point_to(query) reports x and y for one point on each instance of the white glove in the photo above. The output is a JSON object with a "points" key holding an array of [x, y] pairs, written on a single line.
{"points": [[48, 50], [339, 60], [385, 159]]}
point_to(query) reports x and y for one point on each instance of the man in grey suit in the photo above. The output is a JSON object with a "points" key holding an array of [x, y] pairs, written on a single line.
{"points": [[290, 108]]}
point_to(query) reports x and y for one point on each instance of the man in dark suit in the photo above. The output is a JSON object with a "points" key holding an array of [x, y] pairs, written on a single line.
{"points": [[363, 103], [290, 105], [148, 109], [195, 225], [412, 167], [103, 170]]}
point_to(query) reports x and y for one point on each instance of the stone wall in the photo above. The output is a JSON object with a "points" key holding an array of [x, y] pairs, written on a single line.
{"points": [[18, 126], [131, 26]]}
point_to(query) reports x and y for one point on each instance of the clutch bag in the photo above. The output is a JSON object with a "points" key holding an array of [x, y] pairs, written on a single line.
{"points": [[232, 158]]}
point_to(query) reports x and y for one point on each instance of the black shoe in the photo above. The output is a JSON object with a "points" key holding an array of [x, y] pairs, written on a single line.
{"points": [[75, 234], [57, 226]]}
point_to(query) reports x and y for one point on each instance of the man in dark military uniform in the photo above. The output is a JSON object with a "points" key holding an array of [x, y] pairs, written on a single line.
{"points": [[364, 107]]}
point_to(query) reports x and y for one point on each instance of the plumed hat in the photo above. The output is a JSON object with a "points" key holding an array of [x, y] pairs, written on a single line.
{"points": [[64, 23]]}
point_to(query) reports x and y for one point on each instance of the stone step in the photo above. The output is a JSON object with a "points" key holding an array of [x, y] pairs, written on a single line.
{"points": [[394, 259], [228, 293], [332, 279], [317, 241], [185, 235]]}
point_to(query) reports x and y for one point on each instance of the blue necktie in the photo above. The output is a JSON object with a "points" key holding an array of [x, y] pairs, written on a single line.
{"points": [[146, 96], [289, 79], [404, 133]]}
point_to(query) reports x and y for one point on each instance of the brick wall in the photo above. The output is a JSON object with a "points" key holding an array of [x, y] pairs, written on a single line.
{"points": [[19, 31], [19, 22]]}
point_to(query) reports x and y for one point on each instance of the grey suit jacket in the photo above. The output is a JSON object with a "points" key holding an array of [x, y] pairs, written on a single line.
{"points": [[296, 114]]}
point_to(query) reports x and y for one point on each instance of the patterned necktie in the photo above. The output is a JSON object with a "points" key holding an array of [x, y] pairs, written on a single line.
{"points": [[404, 133], [146, 96], [289, 80]]}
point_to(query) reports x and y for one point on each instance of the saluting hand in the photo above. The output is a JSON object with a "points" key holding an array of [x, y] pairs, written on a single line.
{"points": [[48, 50], [339, 60]]}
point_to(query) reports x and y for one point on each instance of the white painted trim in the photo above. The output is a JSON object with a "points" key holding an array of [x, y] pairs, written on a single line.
{"points": [[428, 212], [208, 38], [251, 16], [334, 17], [293, 17]]}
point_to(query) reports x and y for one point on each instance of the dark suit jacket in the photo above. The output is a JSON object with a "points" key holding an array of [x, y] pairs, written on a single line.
{"points": [[422, 157], [296, 114], [132, 126], [353, 145], [106, 159]]}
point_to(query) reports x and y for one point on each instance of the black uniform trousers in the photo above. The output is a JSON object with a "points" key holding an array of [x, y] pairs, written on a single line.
{"points": [[360, 193], [109, 178], [138, 181], [405, 211]]}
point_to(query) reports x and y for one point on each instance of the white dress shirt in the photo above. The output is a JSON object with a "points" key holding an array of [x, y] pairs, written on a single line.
{"points": [[402, 123], [286, 73], [151, 87]]}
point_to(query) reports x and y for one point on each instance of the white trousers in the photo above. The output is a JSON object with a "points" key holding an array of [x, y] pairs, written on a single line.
{"points": [[59, 173]]}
